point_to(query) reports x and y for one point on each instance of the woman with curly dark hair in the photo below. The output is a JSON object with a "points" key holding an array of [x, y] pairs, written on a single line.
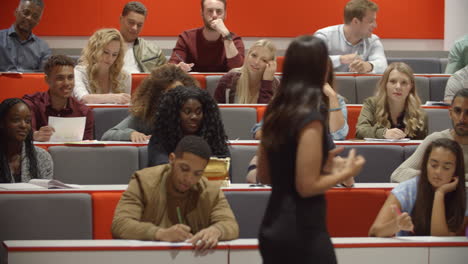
{"points": [[20, 160], [186, 111], [138, 126]]}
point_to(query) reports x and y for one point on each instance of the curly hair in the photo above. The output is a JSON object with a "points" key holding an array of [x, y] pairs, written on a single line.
{"points": [[5, 174], [91, 54], [455, 201], [414, 115], [167, 127], [243, 91], [146, 97]]}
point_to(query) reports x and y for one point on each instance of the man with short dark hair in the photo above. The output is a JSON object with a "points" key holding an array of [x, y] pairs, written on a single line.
{"points": [[458, 113], [175, 203], [211, 48], [141, 55], [20, 49], [352, 46], [58, 100]]}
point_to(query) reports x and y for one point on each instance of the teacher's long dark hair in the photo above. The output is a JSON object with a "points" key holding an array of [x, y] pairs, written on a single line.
{"points": [[5, 174], [301, 89]]}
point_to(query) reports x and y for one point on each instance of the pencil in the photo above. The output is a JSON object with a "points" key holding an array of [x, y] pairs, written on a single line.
{"points": [[179, 215]]}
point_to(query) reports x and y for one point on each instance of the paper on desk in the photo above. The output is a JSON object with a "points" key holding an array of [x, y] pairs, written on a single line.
{"points": [[67, 128], [387, 140]]}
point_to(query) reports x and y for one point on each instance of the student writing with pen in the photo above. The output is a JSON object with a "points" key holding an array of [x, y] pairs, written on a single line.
{"points": [[174, 203], [211, 48]]}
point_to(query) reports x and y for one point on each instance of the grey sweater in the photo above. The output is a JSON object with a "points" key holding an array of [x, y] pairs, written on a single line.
{"points": [[123, 130]]}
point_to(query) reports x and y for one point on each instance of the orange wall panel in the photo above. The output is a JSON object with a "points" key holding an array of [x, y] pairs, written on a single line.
{"points": [[417, 19]]}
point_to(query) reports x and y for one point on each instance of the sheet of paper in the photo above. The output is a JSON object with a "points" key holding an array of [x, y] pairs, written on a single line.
{"points": [[387, 140], [67, 128], [20, 186]]}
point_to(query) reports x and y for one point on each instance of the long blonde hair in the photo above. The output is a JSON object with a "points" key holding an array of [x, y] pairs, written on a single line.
{"points": [[243, 92], [92, 53], [414, 115]]}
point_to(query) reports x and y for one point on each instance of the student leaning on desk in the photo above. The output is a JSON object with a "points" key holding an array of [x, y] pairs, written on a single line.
{"points": [[432, 204], [174, 203]]}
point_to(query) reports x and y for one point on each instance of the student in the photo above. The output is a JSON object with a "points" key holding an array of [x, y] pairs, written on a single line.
{"points": [[141, 55], [173, 202], [297, 161], [254, 82], [211, 48], [337, 123], [99, 77], [20, 160], [186, 111], [351, 45], [395, 112], [138, 126], [57, 100], [20, 49], [432, 204]]}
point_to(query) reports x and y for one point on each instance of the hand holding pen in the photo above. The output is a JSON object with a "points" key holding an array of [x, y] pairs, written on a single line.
{"points": [[184, 66]]}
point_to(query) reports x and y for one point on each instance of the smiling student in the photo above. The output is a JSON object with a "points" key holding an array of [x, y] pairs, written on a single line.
{"points": [[58, 100], [20, 160], [395, 112]]}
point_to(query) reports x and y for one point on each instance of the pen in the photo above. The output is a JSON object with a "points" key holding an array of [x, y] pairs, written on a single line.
{"points": [[179, 215], [178, 56]]}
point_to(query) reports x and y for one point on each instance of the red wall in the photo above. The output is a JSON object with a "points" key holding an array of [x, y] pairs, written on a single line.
{"points": [[418, 19]]}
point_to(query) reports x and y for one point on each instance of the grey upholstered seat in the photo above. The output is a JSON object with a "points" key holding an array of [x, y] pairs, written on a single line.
{"points": [[346, 86], [420, 65], [94, 165], [45, 216], [143, 157], [240, 159], [365, 87], [238, 121], [437, 87], [381, 161], [212, 83], [409, 150], [249, 208], [438, 119], [107, 118]]}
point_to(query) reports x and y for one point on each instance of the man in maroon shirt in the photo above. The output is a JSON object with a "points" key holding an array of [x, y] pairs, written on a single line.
{"points": [[211, 48], [58, 100]]}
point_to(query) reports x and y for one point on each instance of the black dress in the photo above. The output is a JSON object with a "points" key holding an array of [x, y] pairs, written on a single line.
{"points": [[294, 229]]}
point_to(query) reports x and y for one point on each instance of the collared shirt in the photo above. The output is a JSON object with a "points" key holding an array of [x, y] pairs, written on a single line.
{"points": [[369, 49], [23, 56], [458, 56], [41, 107]]}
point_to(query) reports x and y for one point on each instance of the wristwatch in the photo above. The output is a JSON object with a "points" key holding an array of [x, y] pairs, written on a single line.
{"points": [[228, 36]]}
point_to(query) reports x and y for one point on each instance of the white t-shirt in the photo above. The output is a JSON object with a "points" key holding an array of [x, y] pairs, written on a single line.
{"points": [[130, 63]]}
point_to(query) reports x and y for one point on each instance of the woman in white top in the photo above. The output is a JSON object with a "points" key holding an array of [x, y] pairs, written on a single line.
{"points": [[99, 75]]}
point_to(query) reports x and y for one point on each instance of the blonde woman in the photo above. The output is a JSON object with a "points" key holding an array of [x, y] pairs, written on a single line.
{"points": [[99, 77], [254, 82], [395, 112]]}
